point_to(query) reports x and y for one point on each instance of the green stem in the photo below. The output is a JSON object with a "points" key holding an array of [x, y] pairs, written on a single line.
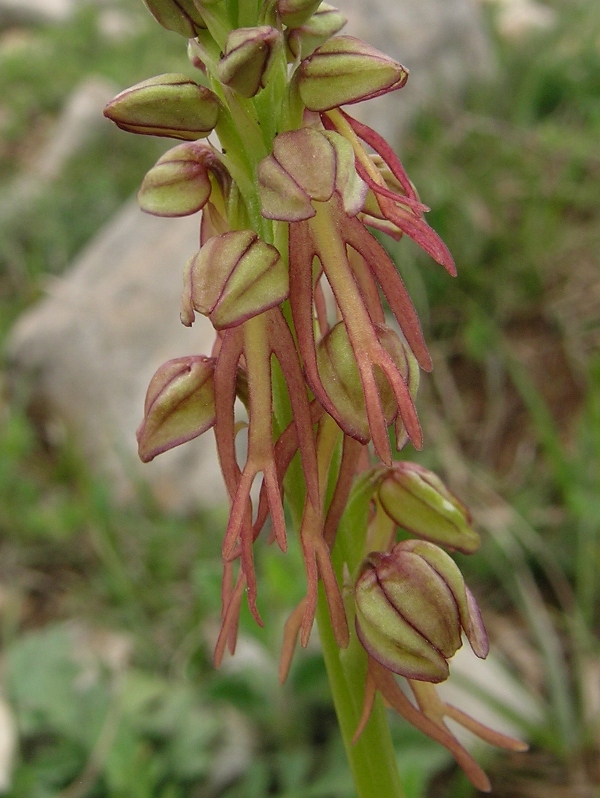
{"points": [[371, 759], [242, 171]]}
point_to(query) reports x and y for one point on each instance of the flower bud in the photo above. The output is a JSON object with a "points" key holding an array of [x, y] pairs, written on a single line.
{"points": [[181, 16], [179, 406], [341, 380], [248, 56], [308, 165], [233, 277], [346, 70], [168, 105], [178, 184], [417, 500], [411, 605], [323, 24], [294, 13], [340, 376]]}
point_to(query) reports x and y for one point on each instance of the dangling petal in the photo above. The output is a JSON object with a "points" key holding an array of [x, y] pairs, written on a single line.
{"points": [[229, 624], [282, 344], [291, 630], [386, 684], [386, 274], [318, 563], [284, 450], [351, 453], [367, 708]]}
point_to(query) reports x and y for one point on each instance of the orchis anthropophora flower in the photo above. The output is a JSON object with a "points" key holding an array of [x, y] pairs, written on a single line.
{"points": [[316, 335]]}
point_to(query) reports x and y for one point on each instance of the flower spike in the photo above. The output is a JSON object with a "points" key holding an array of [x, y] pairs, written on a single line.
{"points": [[290, 188]]}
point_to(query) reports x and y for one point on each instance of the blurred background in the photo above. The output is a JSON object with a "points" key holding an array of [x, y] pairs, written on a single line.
{"points": [[110, 571]]}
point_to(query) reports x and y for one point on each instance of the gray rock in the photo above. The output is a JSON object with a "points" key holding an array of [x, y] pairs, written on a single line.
{"points": [[88, 350], [441, 42], [114, 23], [78, 122], [25, 12]]}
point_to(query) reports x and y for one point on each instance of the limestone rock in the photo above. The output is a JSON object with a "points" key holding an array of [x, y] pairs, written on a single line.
{"points": [[80, 119], [516, 19], [88, 350], [20, 12]]}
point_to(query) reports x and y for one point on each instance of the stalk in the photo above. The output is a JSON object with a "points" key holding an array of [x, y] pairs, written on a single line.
{"points": [[372, 760]]}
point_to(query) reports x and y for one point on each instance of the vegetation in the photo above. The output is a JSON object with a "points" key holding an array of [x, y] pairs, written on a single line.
{"points": [[106, 612]]}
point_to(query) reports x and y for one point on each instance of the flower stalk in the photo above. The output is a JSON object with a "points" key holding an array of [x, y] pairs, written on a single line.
{"points": [[297, 287]]}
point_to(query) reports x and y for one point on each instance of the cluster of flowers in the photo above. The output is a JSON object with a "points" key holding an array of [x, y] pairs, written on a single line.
{"points": [[288, 270]]}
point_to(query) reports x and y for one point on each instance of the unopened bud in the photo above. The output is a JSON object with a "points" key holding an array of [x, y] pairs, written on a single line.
{"points": [[321, 26], [170, 105], [417, 500], [340, 376], [179, 406], [178, 184], [411, 606], [345, 70], [248, 56], [233, 277], [294, 13], [181, 16]]}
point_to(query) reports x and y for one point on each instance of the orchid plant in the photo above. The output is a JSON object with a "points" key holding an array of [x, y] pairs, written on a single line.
{"points": [[318, 337]]}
